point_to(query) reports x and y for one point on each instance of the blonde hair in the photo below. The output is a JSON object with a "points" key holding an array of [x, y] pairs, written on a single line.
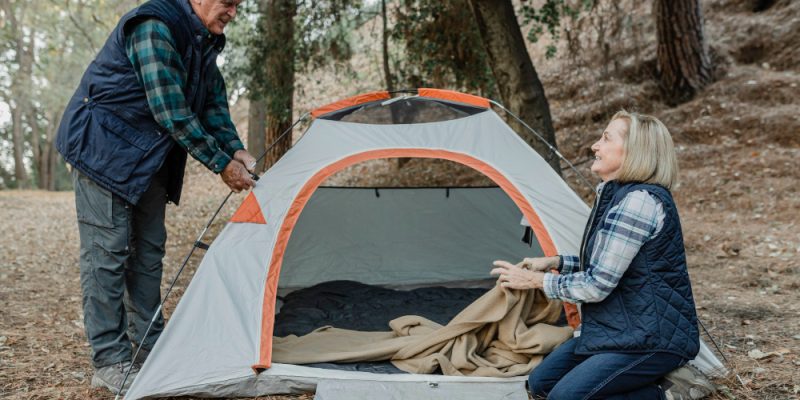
{"points": [[649, 152]]}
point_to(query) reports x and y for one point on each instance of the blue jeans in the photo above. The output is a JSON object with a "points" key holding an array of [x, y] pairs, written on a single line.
{"points": [[564, 375]]}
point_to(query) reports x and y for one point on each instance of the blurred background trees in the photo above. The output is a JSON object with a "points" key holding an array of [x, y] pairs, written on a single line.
{"points": [[278, 48]]}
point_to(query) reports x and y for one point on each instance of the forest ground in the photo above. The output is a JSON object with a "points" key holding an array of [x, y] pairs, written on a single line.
{"points": [[738, 145]]}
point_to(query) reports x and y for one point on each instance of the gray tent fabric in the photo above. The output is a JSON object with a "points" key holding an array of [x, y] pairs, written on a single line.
{"points": [[403, 236], [431, 390]]}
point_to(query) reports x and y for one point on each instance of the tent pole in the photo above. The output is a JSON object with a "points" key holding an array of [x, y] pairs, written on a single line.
{"points": [[197, 244], [549, 146]]}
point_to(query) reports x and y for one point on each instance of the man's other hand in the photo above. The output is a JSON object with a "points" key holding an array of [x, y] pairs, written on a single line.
{"points": [[236, 176]]}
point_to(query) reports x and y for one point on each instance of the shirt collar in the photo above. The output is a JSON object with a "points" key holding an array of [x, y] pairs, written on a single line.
{"points": [[200, 31]]}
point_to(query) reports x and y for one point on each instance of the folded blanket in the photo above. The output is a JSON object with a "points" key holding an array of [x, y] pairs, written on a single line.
{"points": [[504, 333]]}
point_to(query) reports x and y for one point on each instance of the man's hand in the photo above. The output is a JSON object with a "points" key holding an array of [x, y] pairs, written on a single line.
{"points": [[246, 159], [513, 277], [236, 176], [539, 263]]}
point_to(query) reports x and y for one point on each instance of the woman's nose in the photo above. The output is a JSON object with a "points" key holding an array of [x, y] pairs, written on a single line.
{"points": [[594, 146]]}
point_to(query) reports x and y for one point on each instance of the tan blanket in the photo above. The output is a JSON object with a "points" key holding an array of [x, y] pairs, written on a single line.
{"points": [[503, 333]]}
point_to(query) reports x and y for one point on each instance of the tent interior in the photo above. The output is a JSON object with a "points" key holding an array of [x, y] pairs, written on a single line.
{"points": [[359, 257]]}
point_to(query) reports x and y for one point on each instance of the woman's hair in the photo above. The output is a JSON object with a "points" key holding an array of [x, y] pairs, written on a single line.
{"points": [[649, 152]]}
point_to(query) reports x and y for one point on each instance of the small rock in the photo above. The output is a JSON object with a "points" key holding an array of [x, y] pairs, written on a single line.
{"points": [[78, 376], [751, 82], [756, 354], [759, 370], [795, 337]]}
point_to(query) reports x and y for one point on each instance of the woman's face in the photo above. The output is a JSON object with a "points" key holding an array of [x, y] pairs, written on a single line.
{"points": [[609, 151]]}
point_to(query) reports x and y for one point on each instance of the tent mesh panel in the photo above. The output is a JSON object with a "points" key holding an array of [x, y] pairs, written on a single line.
{"points": [[404, 110]]}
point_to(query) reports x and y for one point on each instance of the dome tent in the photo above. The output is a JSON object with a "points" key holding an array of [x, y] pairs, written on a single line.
{"points": [[289, 234]]}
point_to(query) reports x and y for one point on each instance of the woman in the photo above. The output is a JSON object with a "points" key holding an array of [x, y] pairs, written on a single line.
{"points": [[629, 280]]}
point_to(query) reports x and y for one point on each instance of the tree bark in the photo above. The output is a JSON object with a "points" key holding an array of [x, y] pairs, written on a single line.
{"points": [[49, 154], [516, 77], [257, 129], [20, 96], [684, 66], [387, 73], [273, 87]]}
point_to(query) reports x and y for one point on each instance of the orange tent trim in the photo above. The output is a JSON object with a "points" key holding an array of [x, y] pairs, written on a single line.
{"points": [[249, 211], [453, 96], [350, 102]]}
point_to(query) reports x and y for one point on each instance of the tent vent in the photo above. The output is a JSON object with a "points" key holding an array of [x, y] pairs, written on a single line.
{"points": [[527, 237]]}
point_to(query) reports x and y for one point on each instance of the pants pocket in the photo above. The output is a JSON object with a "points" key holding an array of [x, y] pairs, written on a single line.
{"points": [[92, 202]]}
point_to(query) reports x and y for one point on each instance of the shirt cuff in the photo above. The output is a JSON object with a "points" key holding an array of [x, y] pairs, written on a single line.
{"points": [[234, 146], [550, 285], [218, 163]]}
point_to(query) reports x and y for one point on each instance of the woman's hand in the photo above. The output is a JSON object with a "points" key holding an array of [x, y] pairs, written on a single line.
{"points": [[515, 277], [540, 264]]}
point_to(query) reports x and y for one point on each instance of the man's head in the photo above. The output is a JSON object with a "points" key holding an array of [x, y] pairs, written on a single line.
{"points": [[215, 14]]}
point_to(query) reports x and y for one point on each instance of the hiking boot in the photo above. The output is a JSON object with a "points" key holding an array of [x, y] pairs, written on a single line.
{"points": [[687, 383], [111, 376]]}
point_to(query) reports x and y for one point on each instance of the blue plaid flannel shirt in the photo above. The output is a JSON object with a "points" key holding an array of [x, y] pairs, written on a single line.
{"points": [[632, 222], [210, 138]]}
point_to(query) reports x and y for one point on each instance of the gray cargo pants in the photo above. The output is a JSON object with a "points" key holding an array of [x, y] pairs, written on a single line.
{"points": [[122, 246]]}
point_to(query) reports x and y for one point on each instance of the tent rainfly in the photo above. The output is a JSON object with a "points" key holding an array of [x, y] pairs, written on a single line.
{"points": [[289, 233]]}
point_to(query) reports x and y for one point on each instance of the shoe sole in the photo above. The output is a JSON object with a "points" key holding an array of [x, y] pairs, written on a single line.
{"points": [[98, 382]]}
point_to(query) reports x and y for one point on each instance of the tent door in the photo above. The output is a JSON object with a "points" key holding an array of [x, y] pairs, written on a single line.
{"points": [[341, 389]]}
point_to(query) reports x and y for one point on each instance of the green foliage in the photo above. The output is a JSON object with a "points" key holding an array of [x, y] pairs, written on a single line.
{"points": [[442, 45], [548, 17], [65, 36], [321, 32]]}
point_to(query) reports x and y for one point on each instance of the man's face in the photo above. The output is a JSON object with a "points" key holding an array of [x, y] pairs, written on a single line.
{"points": [[215, 14]]}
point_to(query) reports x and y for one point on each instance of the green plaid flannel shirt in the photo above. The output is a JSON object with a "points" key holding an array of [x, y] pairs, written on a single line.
{"points": [[210, 138]]}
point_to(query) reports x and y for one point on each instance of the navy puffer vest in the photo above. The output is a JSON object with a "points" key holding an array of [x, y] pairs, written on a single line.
{"points": [[108, 131], [652, 308]]}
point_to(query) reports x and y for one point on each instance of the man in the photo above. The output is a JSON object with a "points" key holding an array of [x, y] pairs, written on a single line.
{"points": [[152, 95]]}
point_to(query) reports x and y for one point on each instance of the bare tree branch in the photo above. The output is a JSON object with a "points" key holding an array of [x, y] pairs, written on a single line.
{"points": [[80, 28]]}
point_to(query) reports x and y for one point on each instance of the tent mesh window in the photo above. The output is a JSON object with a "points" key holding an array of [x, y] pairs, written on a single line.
{"points": [[404, 110]]}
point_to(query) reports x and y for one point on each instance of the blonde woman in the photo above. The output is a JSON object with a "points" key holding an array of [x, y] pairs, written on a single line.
{"points": [[630, 278]]}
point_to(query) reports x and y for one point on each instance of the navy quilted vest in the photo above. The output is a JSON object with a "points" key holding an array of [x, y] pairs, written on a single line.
{"points": [[108, 131], [652, 308]]}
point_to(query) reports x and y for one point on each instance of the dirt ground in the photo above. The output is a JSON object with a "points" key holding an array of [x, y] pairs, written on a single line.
{"points": [[738, 144]]}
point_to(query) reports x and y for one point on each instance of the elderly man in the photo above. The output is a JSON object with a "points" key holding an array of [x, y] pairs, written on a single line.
{"points": [[152, 95]]}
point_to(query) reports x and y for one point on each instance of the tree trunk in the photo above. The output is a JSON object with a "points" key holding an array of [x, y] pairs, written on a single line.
{"points": [[49, 154], [516, 77], [387, 73], [19, 82], [273, 88], [36, 146], [684, 66], [257, 129], [18, 141]]}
